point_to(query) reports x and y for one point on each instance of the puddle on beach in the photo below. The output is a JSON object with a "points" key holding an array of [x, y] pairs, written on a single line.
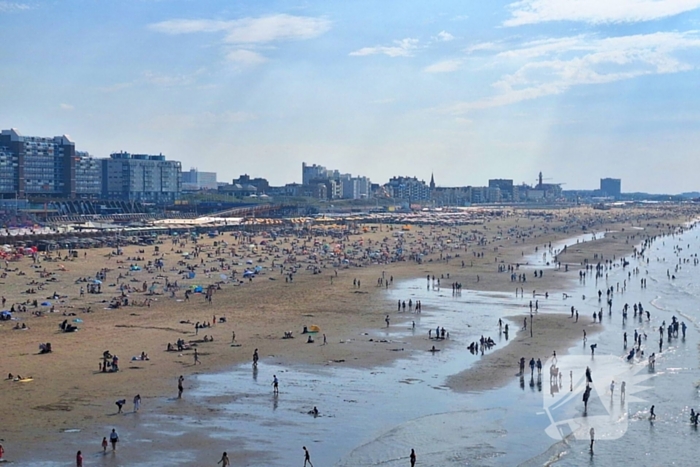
{"points": [[375, 417]]}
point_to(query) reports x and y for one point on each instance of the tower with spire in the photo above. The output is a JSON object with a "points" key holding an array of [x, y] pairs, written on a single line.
{"points": [[432, 181]]}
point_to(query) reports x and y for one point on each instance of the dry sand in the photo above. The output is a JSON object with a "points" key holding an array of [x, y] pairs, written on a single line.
{"points": [[68, 391]]}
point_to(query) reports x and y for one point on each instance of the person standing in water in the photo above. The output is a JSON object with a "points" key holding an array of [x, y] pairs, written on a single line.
{"points": [[275, 385], [592, 432], [114, 439], [413, 458], [307, 457], [179, 386], [255, 357], [224, 460]]}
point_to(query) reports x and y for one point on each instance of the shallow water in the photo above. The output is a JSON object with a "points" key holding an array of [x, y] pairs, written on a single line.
{"points": [[375, 417]]}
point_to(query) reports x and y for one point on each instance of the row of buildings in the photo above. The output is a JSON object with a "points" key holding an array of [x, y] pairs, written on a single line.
{"points": [[50, 168]]}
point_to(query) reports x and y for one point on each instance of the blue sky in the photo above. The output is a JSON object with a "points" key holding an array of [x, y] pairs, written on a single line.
{"points": [[469, 90]]}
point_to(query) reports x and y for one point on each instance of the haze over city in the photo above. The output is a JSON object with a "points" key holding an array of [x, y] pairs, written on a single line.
{"points": [[466, 90]]}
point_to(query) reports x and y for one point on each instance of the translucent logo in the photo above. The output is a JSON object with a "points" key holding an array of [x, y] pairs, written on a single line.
{"points": [[586, 392]]}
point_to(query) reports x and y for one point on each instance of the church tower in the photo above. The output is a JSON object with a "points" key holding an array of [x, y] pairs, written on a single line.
{"points": [[432, 181]]}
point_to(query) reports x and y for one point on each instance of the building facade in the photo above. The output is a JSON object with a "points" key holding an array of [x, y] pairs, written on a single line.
{"points": [[88, 176], [408, 189], [261, 184], [36, 166], [505, 186], [611, 187], [141, 177], [194, 180]]}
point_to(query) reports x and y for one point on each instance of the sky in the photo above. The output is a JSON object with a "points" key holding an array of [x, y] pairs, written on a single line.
{"points": [[465, 89]]}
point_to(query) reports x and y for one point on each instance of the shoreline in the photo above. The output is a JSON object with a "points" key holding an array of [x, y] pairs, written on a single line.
{"points": [[365, 354]]}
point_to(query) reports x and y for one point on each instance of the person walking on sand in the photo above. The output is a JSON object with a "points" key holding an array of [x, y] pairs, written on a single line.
{"points": [[79, 459], [255, 357], [137, 402], [114, 439], [196, 357], [307, 457], [104, 445], [275, 385], [387, 320], [413, 458], [224, 460], [179, 386]]}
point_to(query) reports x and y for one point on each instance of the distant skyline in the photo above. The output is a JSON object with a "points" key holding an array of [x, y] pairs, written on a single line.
{"points": [[465, 90]]}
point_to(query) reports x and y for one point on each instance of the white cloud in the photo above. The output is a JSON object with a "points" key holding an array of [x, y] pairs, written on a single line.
{"points": [[552, 66], [251, 30], [13, 7], [445, 36], [245, 57], [481, 46], [67, 107], [402, 48], [445, 66], [596, 11]]}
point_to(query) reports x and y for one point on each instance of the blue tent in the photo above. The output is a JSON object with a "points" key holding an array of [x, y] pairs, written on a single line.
{"points": [[191, 275], [5, 315]]}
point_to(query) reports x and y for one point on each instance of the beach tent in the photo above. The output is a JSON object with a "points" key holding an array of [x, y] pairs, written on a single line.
{"points": [[248, 273], [197, 289], [191, 275], [96, 281], [313, 328], [45, 303], [5, 316]]}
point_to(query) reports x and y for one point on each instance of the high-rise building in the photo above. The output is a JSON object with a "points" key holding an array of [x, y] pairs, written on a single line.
{"points": [[194, 180], [36, 166], [313, 172], [506, 187], [611, 187], [409, 189], [141, 177], [88, 175]]}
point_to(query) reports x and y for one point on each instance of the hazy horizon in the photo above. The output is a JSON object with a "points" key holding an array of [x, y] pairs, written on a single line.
{"points": [[467, 91]]}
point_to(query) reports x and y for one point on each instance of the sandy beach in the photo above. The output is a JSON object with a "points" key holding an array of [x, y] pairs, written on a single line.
{"points": [[334, 282]]}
